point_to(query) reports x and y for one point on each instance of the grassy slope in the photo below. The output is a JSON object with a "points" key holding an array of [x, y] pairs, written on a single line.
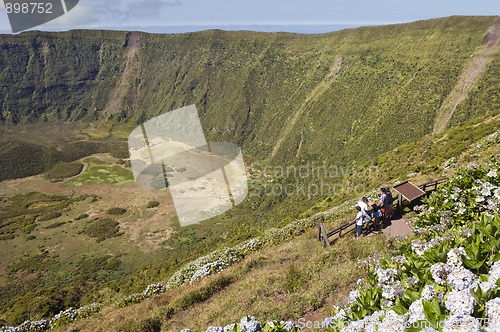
{"points": [[246, 86], [298, 279]]}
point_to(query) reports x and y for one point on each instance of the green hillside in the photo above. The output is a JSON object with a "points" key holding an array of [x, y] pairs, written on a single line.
{"points": [[248, 86], [363, 101]]}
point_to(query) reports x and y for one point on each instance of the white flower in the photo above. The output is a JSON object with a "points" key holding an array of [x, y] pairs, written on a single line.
{"points": [[428, 293], [386, 304], [455, 256], [340, 315], [289, 325], [460, 302], [494, 272], [393, 322], [462, 279], [461, 324], [386, 276], [353, 295], [467, 233], [493, 311], [249, 324], [492, 173], [354, 326], [487, 285], [416, 311], [329, 321], [372, 322], [440, 272], [391, 291], [411, 281], [400, 259], [153, 289], [37, 325], [215, 329], [229, 327]]}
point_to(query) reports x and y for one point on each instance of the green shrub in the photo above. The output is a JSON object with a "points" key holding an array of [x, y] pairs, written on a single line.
{"points": [[82, 216], [55, 225], [120, 152], [117, 211], [64, 170], [145, 325], [103, 229], [49, 216], [4, 237], [153, 204]]}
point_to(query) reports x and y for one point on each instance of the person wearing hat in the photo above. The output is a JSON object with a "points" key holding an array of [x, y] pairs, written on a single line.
{"points": [[385, 203]]}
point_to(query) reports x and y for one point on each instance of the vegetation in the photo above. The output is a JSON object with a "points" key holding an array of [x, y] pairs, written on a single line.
{"points": [[64, 170], [99, 171], [448, 275], [20, 159], [50, 216], [376, 114], [103, 229], [22, 210], [116, 211], [82, 216], [153, 204]]}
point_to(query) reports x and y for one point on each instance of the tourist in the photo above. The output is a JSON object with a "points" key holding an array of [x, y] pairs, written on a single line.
{"points": [[359, 221], [363, 204]]}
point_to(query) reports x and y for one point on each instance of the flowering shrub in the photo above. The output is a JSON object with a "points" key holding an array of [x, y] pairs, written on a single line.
{"points": [[63, 318], [223, 258], [138, 297], [448, 278], [153, 289], [249, 324]]}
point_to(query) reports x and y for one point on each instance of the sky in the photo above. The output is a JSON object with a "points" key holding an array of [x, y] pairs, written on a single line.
{"points": [[264, 15]]}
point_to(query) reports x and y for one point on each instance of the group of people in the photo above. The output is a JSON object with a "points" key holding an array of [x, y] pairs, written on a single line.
{"points": [[379, 212]]}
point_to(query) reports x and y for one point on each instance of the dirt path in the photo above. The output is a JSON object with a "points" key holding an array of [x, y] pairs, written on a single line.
{"points": [[130, 69], [474, 70], [320, 89], [398, 227]]}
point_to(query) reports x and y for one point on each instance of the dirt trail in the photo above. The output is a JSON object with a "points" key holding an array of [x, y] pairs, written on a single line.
{"points": [[131, 68], [321, 88], [398, 227], [474, 70]]}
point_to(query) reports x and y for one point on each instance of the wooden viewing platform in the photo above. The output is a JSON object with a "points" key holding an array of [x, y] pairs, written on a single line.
{"points": [[348, 227]]}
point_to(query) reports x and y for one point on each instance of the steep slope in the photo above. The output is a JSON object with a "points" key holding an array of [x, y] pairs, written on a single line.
{"points": [[321, 88], [473, 72], [296, 278], [266, 92], [337, 99]]}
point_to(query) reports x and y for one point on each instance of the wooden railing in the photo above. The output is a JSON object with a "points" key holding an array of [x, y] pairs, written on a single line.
{"points": [[348, 227], [325, 236], [432, 184]]}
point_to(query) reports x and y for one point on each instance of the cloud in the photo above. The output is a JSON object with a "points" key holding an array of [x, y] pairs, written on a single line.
{"points": [[148, 8], [95, 13], [82, 15]]}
